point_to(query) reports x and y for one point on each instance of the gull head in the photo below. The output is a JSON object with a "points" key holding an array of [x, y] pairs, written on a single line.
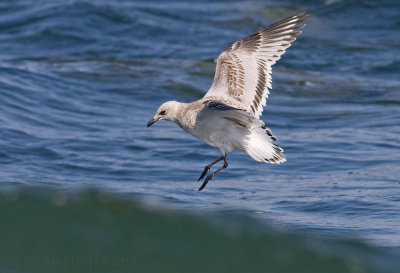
{"points": [[168, 111]]}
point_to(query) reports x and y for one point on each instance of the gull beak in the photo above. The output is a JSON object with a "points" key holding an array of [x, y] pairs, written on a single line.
{"points": [[152, 121]]}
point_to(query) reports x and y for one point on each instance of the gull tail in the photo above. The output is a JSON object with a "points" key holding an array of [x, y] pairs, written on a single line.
{"points": [[258, 144]]}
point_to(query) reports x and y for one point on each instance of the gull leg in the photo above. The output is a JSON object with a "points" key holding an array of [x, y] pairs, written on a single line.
{"points": [[207, 168], [214, 173]]}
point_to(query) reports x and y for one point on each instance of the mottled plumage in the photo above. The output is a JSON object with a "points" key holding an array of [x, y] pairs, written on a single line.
{"points": [[227, 117]]}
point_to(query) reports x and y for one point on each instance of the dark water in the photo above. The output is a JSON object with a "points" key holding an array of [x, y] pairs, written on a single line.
{"points": [[96, 232], [80, 79]]}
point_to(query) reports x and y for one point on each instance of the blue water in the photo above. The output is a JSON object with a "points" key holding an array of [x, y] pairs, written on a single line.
{"points": [[80, 79]]}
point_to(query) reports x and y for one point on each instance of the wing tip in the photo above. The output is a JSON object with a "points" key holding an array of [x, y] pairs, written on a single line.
{"points": [[303, 15]]}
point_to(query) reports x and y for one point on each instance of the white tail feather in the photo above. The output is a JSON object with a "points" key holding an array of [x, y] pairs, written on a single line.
{"points": [[259, 146]]}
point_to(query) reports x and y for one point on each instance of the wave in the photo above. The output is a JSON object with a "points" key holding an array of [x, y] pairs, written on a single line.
{"points": [[51, 230]]}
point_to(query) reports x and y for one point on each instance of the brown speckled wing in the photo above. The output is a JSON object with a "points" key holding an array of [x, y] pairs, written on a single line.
{"points": [[243, 72]]}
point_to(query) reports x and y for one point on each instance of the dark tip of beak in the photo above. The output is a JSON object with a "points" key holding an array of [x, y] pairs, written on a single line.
{"points": [[151, 122]]}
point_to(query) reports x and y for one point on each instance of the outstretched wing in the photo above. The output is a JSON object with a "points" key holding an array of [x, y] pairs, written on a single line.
{"points": [[243, 73]]}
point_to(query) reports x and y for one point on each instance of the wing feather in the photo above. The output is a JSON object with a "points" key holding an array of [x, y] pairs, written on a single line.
{"points": [[243, 72]]}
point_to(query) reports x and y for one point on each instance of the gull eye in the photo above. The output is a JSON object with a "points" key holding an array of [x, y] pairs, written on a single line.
{"points": [[163, 112]]}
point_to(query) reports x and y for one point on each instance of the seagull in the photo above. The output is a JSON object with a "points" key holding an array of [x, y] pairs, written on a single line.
{"points": [[227, 117]]}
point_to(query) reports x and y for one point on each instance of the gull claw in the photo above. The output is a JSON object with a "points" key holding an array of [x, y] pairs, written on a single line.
{"points": [[205, 182], [205, 171], [207, 168]]}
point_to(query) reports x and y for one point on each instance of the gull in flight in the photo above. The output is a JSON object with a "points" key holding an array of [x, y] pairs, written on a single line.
{"points": [[227, 117]]}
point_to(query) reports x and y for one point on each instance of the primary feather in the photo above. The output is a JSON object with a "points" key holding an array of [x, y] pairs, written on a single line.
{"points": [[243, 73]]}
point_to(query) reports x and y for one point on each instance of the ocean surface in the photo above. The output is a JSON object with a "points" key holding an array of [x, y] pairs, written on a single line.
{"points": [[84, 184]]}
